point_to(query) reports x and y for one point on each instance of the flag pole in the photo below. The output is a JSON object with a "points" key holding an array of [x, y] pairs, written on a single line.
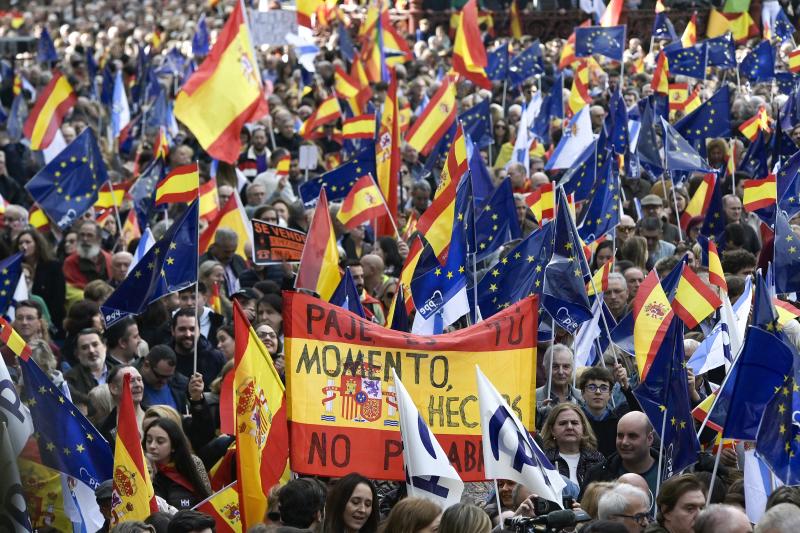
{"points": [[116, 211], [714, 471], [505, 89], [661, 449], [550, 365], [197, 311], [499, 505]]}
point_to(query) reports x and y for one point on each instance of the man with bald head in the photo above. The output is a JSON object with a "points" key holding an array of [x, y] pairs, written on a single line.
{"points": [[120, 263], [719, 517], [634, 454], [538, 179], [373, 273]]}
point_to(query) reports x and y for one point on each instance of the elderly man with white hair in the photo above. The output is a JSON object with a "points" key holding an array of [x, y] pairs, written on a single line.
{"points": [[723, 518], [559, 367], [627, 505]]}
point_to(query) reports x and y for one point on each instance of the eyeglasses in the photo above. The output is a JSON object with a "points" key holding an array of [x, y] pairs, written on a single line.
{"points": [[626, 229], [267, 334], [591, 387], [639, 518]]}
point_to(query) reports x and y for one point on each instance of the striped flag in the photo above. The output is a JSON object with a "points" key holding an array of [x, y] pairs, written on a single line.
{"points": [[786, 311], [328, 111], [760, 193], [515, 21], [694, 300], [52, 105], [262, 433], [223, 507], [161, 145], [700, 200], [794, 61], [756, 123], [283, 166], [599, 281], [689, 37], [180, 185], [652, 314], [38, 219], [579, 93], [435, 120], [106, 198], [233, 217], [660, 83], [709, 258], [469, 54], [209, 200], [387, 158], [363, 203], [133, 497], [319, 264], [359, 127], [542, 202]]}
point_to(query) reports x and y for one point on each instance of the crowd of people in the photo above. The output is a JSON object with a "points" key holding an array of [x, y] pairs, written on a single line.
{"points": [[588, 421]]}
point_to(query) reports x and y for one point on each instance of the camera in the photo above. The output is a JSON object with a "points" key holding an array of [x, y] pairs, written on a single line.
{"points": [[553, 521], [543, 507]]}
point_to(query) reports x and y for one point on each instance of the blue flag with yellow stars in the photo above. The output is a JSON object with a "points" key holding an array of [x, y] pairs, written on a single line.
{"points": [[399, 320], [579, 180], [786, 263], [710, 119], [759, 64], [616, 123], [346, 45], [497, 63], [517, 275], [754, 160], [10, 271], [663, 28], [169, 266], [781, 145], [783, 30], [433, 284], [647, 147], [788, 185], [778, 437], [46, 49], [665, 393], [497, 220], [680, 156], [68, 185], [482, 186], [564, 295], [721, 51], [346, 295], [714, 223], [552, 107], [526, 64], [604, 41], [601, 215], [201, 40], [476, 121], [143, 192], [66, 440], [689, 61], [787, 82], [340, 180]]}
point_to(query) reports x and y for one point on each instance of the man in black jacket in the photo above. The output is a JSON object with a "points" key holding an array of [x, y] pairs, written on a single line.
{"points": [[163, 384], [209, 359]]}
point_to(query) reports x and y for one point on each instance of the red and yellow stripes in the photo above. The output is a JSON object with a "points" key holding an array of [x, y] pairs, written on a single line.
{"points": [[694, 300], [794, 61], [387, 158], [319, 264], [542, 203], [438, 116], [759, 194], [262, 436], [756, 123], [209, 200], [363, 203], [223, 507], [327, 112], [52, 104], [652, 314], [469, 54], [600, 279], [180, 185], [359, 127], [14, 341], [700, 201], [579, 93], [660, 82], [689, 37]]}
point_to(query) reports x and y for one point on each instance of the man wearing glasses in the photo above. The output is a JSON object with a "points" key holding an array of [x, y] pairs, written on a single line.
{"points": [[627, 505], [596, 385]]}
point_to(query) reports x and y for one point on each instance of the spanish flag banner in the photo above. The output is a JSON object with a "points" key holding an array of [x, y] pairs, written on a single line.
{"points": [[794, 61], [469, 54], [438, 116], [359, 127], [161, 145], [652, 314], [407, 272], [209, 200], [112, 195], [694, 300], [660, 83], [229, 83], [709, 258], [133, 497], [515, 21], [319, 264], [579, 93], [756, 123], [233, 217], [599, 281], [283, 166], [689, 37], [542, 203], [759, 194], [387, 158], [180, 185], [700, 201], [306, 8], [363, 203], [52, 104], [223, 507], [262, 438], [343, 413], [786, 311]]}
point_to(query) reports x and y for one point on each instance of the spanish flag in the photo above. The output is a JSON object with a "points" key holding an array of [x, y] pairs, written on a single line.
{"points": [[52, 105], [232, 217], [410, 227], [180, 185], [515, 21], [13, 340], [760, 193], [134, 498], [306, 8], [794, 61], [387, 158], [579, 93], [786, 311], [407, 273], [689, 37], [692, 101], [363, 203], [223, 507], [351, 88], [38, 219], [106, 198], [611, 15], [438, 116], [319, 264], [694, 300], [599, 281], [660, 82], [700, 201], [214, 301], [469, 54], [326, 112], [652, 314], [262, 434], [359, 127], [436, 223], [209, 200], [227, 83], [283, 166], [709, 258], [741, 25], [568, 56], [756, 123], [678, 93], [161, 145], [700, 412], [542, 203], [130, 229]]}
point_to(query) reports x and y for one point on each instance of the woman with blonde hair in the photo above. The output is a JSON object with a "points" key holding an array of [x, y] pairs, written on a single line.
{"points": [[465, 518], [413, 515], [591, 496], [570, 443], [161, 411]]}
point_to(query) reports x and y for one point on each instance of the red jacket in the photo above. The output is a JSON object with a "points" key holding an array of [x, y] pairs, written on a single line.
{"points": [[77, 274]]}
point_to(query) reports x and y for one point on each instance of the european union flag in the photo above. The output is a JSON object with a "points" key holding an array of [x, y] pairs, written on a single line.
{"points": [[754, 160], [340, 180], [433, 284], [169, 266], [759, 64], [497, 220], [784, 30], [714, 223], [778, 437], [517, 275], [46, 50], [788, 186], [604, 41], [679, 153], [720, 51], [68, 185], [91, 73], [663, 28], [764, 315], [564, 295], [527, 64], [617, 123], [346, 44], [399, 320], [107, 87], [710, 119], [602, 213], [143, 191], [787, 256], [578, 180], [497, 63], [201, 40], [552, 107], [346, 295], [647, 148], [66, 440], [10, 271], [475, 121], [482, 186], [689, 61], [787, 82], [664, 396]]}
